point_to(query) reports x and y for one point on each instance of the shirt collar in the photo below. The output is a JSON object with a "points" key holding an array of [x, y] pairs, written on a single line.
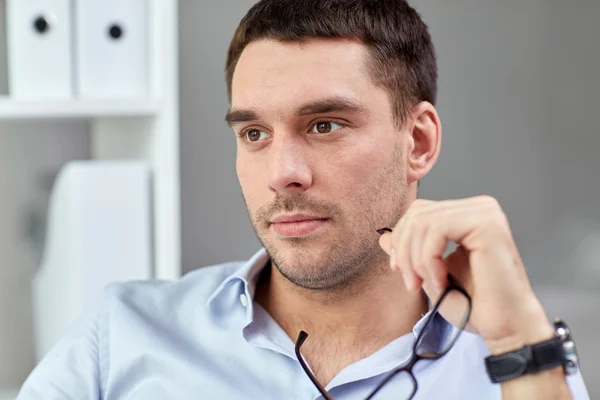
{"points": [[247, 274], [231, 303]]}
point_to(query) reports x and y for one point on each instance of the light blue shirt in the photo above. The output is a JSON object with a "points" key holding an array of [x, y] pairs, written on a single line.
{"points": [[202, 337]]}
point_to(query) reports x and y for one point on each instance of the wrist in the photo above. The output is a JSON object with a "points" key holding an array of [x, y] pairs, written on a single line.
{"points": [[534, 328], [533, 362]]}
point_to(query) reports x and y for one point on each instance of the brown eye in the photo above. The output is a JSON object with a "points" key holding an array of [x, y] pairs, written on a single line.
{"points": [[253, 135], [325, 127]]}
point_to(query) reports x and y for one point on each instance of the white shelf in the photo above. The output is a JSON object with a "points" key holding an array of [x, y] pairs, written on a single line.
{"points": [[11, 109]]}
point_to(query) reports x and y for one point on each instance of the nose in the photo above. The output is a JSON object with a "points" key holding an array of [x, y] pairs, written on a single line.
{"points": [[290, 170]]}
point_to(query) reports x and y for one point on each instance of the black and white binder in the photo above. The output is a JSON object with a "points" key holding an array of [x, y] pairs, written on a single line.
{"points": [[39, 34], [112, 48]]}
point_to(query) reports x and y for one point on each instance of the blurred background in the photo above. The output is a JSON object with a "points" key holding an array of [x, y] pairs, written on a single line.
{"points": [[518, 96]]}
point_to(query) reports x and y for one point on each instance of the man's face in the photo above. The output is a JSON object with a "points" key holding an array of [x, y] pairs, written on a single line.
{"points": [[319, 158]]}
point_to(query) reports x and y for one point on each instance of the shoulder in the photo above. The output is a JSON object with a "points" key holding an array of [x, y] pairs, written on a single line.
{"points": [[170, 317], [158, 295], [122, 323], [153, 314]]}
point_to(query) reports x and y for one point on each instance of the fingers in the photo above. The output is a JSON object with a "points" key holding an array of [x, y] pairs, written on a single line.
{"points": [[431, 249], [417, 256], [417, 243], [406, 259], [398, 262]]}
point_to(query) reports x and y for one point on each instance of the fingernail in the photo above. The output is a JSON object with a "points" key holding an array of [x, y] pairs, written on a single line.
{"points": [[392, 259], [383, 230]]}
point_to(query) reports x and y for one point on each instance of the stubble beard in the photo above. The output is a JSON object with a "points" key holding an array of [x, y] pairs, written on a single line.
{"points": [[351, 254]]}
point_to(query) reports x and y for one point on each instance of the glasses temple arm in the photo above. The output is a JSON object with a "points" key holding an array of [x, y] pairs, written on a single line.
{"points": [[301, 338]]}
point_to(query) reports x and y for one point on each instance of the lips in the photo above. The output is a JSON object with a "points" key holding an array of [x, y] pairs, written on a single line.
{"points": [[297, 225], [295, 218]]}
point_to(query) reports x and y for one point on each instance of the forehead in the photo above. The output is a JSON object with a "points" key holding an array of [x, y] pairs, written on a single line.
{"points": [[272, 74]]}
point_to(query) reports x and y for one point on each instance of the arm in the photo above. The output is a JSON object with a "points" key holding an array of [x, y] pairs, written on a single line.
{"points": [[71, 369], [506, 312], [544, 385]]}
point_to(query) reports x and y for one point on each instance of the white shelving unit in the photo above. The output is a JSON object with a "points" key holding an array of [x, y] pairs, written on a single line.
{"points": [[146, 129], [11, 109]]}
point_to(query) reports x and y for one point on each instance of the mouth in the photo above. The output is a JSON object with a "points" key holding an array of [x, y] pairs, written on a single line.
{"points": [[297, 225]]}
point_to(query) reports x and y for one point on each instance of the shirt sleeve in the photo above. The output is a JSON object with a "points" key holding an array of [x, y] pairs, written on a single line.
{"points": [[577, 386], [71, 369]]}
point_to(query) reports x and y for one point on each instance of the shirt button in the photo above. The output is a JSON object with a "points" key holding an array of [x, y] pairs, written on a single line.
{"points": [[244, 300]]}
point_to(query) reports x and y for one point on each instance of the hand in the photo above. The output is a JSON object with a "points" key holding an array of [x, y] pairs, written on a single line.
{"points": [[505, 310]]}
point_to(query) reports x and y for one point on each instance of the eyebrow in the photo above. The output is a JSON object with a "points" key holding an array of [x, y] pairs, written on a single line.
{"points": [[323, 106], [240, 115]]}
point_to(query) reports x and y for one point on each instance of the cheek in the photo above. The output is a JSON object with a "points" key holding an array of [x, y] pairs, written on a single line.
{"points": [[368, 184], [357, 171]]}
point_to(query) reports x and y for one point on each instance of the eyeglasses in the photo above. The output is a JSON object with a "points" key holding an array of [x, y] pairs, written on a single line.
{"points": [[404, 376]]}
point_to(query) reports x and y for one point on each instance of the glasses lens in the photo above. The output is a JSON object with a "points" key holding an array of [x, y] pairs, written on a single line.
{"points": [[401, 386], [437, 338]]}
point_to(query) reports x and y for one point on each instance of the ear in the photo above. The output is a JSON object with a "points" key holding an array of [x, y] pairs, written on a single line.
{"points": [[424, 141]]}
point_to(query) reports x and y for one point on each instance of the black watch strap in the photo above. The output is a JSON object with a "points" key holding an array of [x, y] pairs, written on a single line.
{"points": [[527, 360]]}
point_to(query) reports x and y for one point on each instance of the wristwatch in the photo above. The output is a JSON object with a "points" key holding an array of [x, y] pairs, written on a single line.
{"points": [[560, 350]]}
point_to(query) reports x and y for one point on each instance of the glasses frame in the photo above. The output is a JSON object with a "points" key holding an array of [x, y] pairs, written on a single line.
{"points": [[414, 358]]}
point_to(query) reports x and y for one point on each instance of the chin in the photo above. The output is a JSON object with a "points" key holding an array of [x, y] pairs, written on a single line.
{"points": [[313, 268], [295, 253]]}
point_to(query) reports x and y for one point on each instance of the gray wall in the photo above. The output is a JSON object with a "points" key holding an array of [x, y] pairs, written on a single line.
{"points": [[518, 97], [215, 225]]}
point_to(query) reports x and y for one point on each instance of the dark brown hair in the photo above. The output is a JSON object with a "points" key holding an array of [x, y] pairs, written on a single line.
{"points": [[402, 57]]}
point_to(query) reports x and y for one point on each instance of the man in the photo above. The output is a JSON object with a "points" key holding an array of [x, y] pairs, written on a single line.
{"points": [[332, 102]]}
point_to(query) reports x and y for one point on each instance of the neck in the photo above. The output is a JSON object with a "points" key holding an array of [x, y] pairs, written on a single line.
{"points": [[347, 323]]}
